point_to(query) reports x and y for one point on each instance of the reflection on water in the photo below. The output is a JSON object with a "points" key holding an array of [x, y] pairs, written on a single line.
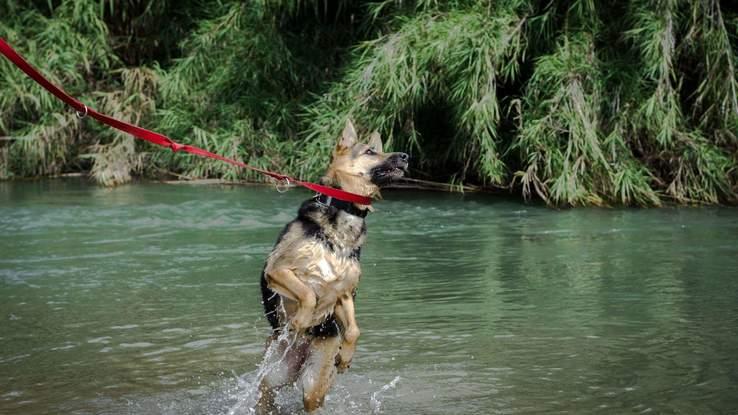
{"points": [[144, 299]]}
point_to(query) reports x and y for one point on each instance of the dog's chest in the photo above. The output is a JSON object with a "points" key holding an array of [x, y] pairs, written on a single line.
{"points": [[346, 233], [338, 270], [338, 261]]}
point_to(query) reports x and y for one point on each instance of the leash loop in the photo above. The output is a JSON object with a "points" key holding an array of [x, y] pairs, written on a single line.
{"points": [[286, 181], [84, 114]]}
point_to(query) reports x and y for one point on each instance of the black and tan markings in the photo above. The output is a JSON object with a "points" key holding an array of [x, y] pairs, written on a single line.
{"points": [[310, 278]]}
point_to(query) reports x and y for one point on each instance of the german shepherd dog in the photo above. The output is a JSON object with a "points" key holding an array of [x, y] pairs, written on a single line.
{"points": [[309, 281]]}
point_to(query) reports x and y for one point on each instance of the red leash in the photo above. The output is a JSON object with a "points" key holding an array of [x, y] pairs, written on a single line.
{"points": [[160, 139]]}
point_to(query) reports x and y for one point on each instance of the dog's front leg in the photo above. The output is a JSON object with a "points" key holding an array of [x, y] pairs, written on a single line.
{"points": [[346, 317], [284, 282]]}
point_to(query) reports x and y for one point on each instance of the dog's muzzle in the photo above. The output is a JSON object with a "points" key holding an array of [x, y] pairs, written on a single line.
{"points": [[394, 167]]}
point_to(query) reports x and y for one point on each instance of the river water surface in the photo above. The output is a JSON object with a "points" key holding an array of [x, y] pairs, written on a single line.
{"points": [[144, 299]]}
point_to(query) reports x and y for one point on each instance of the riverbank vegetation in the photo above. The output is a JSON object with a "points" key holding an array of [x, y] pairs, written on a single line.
{"points": [[583, 102]]}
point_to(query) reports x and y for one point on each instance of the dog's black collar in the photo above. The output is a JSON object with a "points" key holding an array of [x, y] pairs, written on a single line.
{"points": [[347, 207]]}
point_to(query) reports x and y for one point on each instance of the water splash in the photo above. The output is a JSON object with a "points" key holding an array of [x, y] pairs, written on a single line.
{"points": [[376, 401], [248, 388], [245, 393]]}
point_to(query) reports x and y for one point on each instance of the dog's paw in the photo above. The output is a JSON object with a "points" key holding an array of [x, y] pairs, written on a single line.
{"points": [[342, 366], [343, 361]]}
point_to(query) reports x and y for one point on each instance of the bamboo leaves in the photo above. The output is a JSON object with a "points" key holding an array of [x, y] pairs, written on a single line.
{"points": [[459, 57], [576, 103]]}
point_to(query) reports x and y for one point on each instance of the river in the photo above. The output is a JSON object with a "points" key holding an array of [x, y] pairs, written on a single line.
{"points": [[144, 299]]}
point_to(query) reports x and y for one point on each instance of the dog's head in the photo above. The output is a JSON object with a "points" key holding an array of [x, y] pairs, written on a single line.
{"points": [[363, 168]]}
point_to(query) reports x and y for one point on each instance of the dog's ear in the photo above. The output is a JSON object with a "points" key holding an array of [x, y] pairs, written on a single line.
{"points": [[375, 142], [348, 136]]}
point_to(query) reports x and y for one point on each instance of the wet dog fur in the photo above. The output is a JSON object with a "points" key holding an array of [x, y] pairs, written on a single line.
{"points": [[310, 278]]}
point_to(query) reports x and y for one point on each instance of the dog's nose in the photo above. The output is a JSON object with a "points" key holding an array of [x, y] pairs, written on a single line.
{"points": [[404, 157]]}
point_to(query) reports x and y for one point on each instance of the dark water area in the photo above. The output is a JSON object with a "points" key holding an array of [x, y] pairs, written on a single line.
{"points": [[144, 299]]}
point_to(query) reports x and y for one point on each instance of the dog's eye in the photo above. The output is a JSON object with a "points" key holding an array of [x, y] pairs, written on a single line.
{"points": [[370, 152]]}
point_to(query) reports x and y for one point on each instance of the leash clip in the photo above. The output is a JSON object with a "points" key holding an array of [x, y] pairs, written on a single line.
{"points": [[328, 200], [82, 115], [286, 181]]}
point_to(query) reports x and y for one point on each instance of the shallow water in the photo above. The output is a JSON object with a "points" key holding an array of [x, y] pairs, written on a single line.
{"points": [[144, 299]]}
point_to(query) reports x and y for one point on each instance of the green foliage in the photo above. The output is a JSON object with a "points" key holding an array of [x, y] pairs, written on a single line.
{"points": [[577, 103], [458, 58], [234, 84], [560, 135], [39, 134], [42, 136]]}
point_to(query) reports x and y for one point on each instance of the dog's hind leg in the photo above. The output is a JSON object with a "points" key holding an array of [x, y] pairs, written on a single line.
{"points": [[282, 362], [350, 332], [319, 371]]}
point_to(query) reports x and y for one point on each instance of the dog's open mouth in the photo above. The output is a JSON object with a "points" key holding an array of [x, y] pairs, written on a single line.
{"points": [[397, 172], [386, 173]]}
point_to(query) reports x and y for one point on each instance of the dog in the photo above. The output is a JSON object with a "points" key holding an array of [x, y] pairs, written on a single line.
{"points": [[310, 278]]}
